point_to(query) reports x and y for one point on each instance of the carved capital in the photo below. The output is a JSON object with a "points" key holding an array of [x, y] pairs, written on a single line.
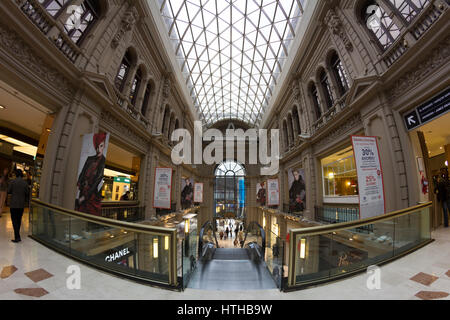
{"points": [[335, 25]]}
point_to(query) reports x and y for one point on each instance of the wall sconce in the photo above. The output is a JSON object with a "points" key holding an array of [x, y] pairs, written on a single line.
{"points": [[331, 175], [302, 248], [155, 248], [186, 226], [264, 222], [166, 243]]}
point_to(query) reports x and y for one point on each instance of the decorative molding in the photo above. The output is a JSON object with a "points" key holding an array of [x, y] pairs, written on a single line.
{"points": [[353, 122], [335, 24], [128, 21], [11, 42], [438, 57], [125, 131]]}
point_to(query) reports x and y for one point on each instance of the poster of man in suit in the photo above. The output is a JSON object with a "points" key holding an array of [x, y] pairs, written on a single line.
{"points": [[187, 192], [297, 190]]}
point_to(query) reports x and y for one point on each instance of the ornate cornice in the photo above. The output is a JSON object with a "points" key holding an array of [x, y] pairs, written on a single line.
{"points": [[11, 43], [334, 134], [438, 57], [125, 131]]}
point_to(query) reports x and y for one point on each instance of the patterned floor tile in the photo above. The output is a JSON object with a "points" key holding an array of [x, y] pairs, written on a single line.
{"points": [[424, 278], [38, 275], [32, 292], [7, 271], [430, 295]]}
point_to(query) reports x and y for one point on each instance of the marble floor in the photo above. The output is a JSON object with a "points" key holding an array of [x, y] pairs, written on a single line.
{"points": [[30, 271]]}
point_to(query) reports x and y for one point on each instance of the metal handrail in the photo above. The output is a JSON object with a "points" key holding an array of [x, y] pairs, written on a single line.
{"points": [[109, 222], [310, 231]]}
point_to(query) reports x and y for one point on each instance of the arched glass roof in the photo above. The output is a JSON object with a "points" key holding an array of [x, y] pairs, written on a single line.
{"points": [[231, 52], [230, 168]]}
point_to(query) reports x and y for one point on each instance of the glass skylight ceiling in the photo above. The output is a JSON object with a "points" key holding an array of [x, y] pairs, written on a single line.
{"points": [[231, 52]]}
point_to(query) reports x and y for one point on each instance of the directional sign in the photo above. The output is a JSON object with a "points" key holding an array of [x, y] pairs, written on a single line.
{"points": [[428, 111], [412, 120]]}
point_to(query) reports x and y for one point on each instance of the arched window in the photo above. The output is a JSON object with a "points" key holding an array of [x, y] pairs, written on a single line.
{"points": [[229, 190], [339, 73], [315, 101], [296, 119], [291, 128], [378, 21], [286, 136], [81, 20], [408, 9], [326, 89], [165, 123], [123, 71], [148, 91], [135, 86]]}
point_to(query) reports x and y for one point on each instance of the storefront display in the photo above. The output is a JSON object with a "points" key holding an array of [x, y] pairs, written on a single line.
{"points": [[339, 176]]}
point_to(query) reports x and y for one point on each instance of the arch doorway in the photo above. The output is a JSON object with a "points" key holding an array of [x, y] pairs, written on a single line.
{"points": [[229, 191]]}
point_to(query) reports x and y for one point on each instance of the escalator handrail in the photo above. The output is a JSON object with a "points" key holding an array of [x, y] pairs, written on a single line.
{"points": [[202, 232], [263, 235]]}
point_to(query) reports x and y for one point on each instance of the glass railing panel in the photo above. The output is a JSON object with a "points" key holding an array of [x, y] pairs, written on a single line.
{"points": [[145, 254], [51, 227], [358, 248], [312, 256], [411, 230], [274, 256], [154, 253], [320, 255]]}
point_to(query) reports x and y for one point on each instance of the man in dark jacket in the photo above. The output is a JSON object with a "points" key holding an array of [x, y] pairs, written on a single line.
{"points": [[443, 193], [19, 199]]}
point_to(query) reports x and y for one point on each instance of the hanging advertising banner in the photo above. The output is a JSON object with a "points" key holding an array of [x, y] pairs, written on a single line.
{"points": [[90, 173], [162, 195], [370, 176], [273, 192], [261, 193], [297, 189], [187, 193], [198, 192]]}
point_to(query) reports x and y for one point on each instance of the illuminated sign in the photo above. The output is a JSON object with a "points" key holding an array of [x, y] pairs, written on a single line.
{"points": [[122, 180], [119, 254]]}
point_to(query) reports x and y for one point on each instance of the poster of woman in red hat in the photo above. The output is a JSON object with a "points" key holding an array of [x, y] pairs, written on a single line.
{"points": [[90, 173]]}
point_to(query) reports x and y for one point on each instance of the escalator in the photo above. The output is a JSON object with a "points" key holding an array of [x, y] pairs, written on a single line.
{"points": [[232, 268]]}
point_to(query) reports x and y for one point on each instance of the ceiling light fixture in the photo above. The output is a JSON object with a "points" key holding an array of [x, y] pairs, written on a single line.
{"points": [[2, 107]]}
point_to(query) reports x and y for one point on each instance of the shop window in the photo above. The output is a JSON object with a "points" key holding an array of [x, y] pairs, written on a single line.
{"points": [[326, 89], [380, 23], [339, 73], [339, 175]]}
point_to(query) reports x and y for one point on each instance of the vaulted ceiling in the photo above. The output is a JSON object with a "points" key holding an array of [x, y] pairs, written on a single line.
{"points": [[231, 52]]}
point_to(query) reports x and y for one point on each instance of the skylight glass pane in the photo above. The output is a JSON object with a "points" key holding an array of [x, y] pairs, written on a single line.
{"points": [[233, 51]]}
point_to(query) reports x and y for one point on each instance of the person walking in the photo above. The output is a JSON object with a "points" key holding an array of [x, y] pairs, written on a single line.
{"points": [[3, 189], [19, 198], [236, 231], [443, 194], [241, 238], [226, 232]]}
